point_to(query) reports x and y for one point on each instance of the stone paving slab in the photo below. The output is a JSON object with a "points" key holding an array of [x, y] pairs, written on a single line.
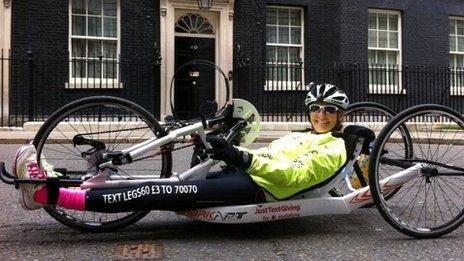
{"points": [[21, 136], [16, 136], [269, 132]]}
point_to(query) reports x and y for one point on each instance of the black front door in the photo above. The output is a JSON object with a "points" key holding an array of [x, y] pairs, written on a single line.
{"points": [[194, 84]]}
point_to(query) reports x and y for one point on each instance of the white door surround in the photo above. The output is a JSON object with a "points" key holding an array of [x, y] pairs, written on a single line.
{"points": [[5, 46], [221, 17]]}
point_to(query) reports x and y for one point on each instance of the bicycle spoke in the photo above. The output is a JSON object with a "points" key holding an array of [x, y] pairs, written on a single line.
{"points": [[428, 201], [405, 191], [444, 195], [424, 206], [437, 205], [112, 122], [412, 202], [452, 189], [117, 132]]}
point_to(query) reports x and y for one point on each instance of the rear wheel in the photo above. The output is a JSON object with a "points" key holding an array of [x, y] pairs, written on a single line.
{"points": [[373, 116], [430, 203], [110, 124], [369, 114]]}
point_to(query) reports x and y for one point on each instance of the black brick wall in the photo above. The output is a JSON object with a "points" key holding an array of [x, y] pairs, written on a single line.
{"points": [[140, 30], [41, 27], [424, 29], [335, 31], [321, 39], [249, 34], [39, 31], [321, 35]]}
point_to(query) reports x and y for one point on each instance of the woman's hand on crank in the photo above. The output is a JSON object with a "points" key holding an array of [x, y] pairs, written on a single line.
{"points": [[223, 150]]}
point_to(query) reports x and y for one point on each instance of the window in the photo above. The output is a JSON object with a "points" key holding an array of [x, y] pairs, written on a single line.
{"points": [[384, 51], [284, 48], [192, 23], [94, 43], [456, 45]]}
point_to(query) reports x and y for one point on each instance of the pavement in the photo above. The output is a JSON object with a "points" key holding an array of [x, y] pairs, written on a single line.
{"points": [[18, 136], [361, 235], [269, 132]]}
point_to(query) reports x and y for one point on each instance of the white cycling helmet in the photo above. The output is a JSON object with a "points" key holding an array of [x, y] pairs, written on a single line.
{"points": [[328, 93]]}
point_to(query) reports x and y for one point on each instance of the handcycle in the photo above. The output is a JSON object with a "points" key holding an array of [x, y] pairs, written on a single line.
{"points": [[426, 180]]}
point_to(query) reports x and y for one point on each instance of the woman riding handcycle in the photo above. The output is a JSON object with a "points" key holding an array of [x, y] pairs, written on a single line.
{"points": [[296, 172], [286, 167]]}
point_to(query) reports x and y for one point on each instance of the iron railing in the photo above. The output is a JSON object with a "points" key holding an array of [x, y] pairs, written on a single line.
{"points": [[34, 86], [279, 95], [40, 84]]}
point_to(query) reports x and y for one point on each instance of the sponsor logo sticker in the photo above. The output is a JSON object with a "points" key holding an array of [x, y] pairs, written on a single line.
{"points": [[213, 215], [280, 209], [278, 212]]}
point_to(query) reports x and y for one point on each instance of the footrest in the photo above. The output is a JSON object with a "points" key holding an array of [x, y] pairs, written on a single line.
{"points": [[53, 180], [5, 176], [61, 182]]}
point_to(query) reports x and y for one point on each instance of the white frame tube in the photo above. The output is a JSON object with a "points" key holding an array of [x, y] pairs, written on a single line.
{"points": [[300, 208]]}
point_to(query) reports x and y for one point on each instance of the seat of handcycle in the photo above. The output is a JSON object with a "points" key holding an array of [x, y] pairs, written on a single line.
{"points": [[352, 133]]}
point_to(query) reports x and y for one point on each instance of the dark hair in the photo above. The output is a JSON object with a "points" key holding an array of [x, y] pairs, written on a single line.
{"points": [[338, 126]]}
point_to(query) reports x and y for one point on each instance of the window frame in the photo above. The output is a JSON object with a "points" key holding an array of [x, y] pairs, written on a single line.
{"points": [[286, 85], [454, 71], [387, 88], [199, 35], [89, 82]]}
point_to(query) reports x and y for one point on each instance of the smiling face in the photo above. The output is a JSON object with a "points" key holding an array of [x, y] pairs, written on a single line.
{"points": [[323, 121]]}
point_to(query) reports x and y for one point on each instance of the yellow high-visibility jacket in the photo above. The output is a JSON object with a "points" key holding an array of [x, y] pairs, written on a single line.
{"points": [[296, 162]]}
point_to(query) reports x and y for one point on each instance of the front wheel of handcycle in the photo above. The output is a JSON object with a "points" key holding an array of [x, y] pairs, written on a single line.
{"points": [[429, 201], [105, 124]]}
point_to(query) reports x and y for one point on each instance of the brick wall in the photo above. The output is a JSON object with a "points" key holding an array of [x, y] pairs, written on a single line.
{"points": [[140, 30], [321, 43], [424, 29], [42, 28], [321, 33], [335, 31]]}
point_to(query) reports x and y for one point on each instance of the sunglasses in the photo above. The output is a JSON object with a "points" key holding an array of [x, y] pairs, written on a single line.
{"points": [[323, 108]]}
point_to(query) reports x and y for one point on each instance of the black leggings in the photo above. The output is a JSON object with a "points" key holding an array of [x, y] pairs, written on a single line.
{"points": [[218, 189]]}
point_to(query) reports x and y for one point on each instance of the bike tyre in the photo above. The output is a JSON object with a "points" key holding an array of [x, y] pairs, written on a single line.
{"points": [[386, 210], [383, 111], [55, 119]]}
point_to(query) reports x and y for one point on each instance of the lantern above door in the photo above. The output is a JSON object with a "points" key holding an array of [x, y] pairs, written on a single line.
{"points": [[204, 4]]}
